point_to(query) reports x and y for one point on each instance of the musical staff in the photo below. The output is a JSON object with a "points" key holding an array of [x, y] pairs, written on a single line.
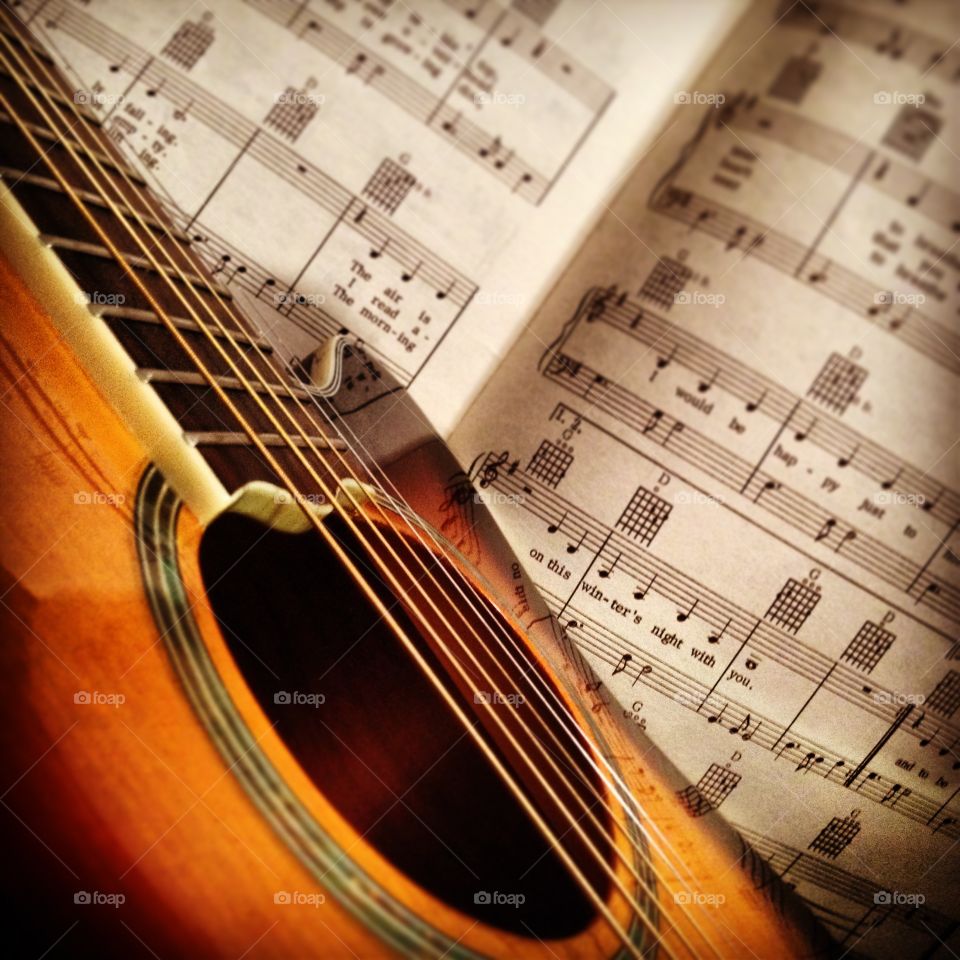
{"points": [[760, 488], [746, 725], [761, 395], [722, 620], [470, 65], [916, 329]]}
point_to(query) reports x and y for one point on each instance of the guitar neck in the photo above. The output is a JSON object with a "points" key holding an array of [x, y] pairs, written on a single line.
{"points": [[129, 292]]}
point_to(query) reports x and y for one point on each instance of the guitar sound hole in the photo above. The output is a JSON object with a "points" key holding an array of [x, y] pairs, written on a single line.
{"points": [[378, 740]]}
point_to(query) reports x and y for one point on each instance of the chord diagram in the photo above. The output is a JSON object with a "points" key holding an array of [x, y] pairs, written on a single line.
{"points": [[644, 515], [868, 646], [795, 78], [793, 604], [667, 278], [292, 111], [912, 131], [550, 463], [836, 836], [539, 11], [190, 42], [710, 791], [837, 383], [945, 697], [389, 185]]}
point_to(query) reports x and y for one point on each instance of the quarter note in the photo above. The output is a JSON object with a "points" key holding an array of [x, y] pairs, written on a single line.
{"points": [[554, 527], [704, 385], [639, 594], [655, 418], [844, 462], [754, 405], [606, 571], [717, 637], [683, 616], [664, 362], [887, 484], [622, 665], [573, 548]]}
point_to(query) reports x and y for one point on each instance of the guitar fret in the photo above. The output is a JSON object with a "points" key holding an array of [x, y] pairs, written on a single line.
{"points": [[41, 91], [229, 439], [87, 154], [183, 323], [140, 262], [26, 42], [189, 378], [17, 177], [171, 369]]}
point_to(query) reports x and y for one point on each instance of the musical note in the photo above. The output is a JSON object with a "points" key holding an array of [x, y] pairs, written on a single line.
{"points": [[887, 484], [573, 548], [655, 418], [608, 570], [639, 594], [717, 637], [717, 717], [844, 462], [825, 530], [754, 405], [683, 616], [704, 385], [554, 527], [743, 728], [664, 362], [622, 665]]}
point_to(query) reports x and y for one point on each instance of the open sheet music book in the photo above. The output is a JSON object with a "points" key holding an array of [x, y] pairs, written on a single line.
{"points": [[679, 281]]}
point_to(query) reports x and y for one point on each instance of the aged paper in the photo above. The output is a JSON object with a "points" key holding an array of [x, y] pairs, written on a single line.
{"points": [[726, 449], [416, 173]]}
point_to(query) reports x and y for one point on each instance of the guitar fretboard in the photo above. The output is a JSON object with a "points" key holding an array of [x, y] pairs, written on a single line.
{"points": [[58, 160]]}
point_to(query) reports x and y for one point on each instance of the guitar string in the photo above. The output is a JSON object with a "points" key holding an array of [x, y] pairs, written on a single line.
{"points": [[334, 544], [599, 796], [367, 470], [316, 403]]}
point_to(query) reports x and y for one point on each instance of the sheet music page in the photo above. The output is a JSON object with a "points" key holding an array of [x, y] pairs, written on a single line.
{"points": [[415, 172], [726, 448]]}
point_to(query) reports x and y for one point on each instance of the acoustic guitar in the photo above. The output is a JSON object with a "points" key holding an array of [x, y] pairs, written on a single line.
{"points": [[273, 684]]}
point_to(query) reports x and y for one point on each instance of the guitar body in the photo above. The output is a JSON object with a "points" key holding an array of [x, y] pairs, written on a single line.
{"points": [[217, 744]]}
